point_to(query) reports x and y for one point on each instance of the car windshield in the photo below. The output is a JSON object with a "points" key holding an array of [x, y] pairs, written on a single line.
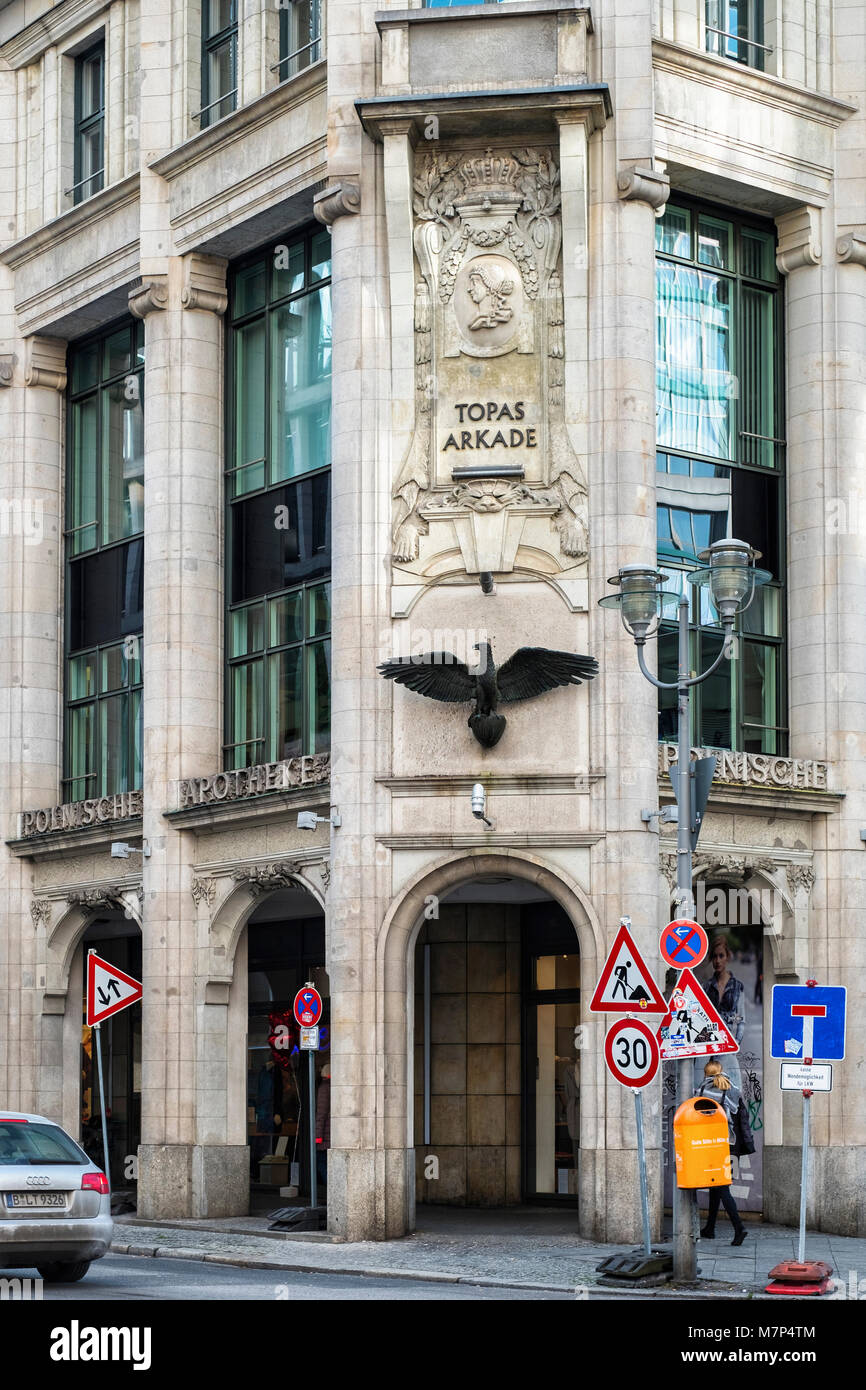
{"points": [[30, 1144]]}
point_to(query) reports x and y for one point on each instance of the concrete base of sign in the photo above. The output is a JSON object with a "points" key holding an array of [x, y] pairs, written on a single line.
{"points": [[193, 1180], [658, 1266], [791, 1277]]}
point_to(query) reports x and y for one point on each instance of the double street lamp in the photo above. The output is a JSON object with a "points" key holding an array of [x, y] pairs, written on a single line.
{"points": [[731, 578]]}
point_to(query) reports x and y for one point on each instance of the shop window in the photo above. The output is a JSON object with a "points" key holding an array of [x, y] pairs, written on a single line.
{"points": [[720, 461], [219, 60], [104, 564], [735, 30], [278, 485], [89, 156], [300, 36]]}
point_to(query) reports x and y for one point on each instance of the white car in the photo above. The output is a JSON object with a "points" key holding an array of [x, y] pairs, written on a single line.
{"points": [[55, 1204]]}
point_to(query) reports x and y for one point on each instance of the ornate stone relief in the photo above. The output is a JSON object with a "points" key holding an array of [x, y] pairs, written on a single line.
{"points": [[801, 878], [489, 333], [40, 911], [265, 878], [150, 295], [7, 364], [851, 247], [203, 888], [107, 898], [325, 874], [728, 867]]}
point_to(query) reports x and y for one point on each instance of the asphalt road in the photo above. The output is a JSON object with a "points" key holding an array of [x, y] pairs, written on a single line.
{"points": [[132, 1278]]}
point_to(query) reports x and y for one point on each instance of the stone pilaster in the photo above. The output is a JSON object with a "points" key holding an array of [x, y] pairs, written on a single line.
{"points": [[31, 636], [191, 1164]]}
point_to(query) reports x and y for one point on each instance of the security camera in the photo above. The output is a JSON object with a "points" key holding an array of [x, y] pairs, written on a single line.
{"points": [[307, 820], [119, 850], [479, 804]]}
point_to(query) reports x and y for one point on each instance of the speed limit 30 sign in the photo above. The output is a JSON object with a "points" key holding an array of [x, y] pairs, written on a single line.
{"points": [[631, 1052]]}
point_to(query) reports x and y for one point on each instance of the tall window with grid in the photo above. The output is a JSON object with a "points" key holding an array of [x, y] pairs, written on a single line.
{"points": [[278, 489], [104, 560], [720, 460]]}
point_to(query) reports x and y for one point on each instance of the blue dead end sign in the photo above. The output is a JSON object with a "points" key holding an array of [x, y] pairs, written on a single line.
{"points": [[808, 1021], [683, 943]]}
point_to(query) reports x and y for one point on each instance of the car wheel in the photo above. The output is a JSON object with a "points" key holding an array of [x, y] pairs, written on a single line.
{"points": [[64, 1273]]}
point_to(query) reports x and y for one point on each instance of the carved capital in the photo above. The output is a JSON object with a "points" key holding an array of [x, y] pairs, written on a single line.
{"points": [[668, 866], [203, 889], [204, 284], [801, 878], [799, 239], [851, 248], [45, 363], [643, 185], [7, 363], [40, 911], [337, 200], [151, 294]]}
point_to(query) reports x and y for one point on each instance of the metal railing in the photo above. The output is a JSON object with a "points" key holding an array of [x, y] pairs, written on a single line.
{"points": [[196, 115], [751, 43], [97, 174], [314, 43]]}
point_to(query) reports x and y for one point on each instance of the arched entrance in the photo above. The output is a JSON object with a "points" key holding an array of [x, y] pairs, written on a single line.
{"points": [[497, 1021], [116, 937], [484, 1095], [283, 947]]}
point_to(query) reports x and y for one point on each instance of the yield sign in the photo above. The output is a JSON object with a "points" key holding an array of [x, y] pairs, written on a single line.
{"points": [[692, 1026], [108, 989], [626, 986]]}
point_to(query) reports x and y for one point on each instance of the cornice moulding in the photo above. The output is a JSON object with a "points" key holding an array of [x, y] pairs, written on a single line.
{"points": [[51, 28], [384, 19], [310, 82], [71, 224], [506, 110], [741, 81]]}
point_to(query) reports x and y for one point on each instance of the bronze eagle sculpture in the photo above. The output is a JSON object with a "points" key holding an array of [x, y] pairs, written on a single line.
{"points": [[529, 672]]}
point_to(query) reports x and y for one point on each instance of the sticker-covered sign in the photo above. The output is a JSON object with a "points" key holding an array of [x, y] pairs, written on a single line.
{"points": [[626, 985], [692, 1026]]}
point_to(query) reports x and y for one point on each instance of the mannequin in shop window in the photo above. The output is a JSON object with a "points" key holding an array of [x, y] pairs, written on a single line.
{"points": [[269, 1098]]}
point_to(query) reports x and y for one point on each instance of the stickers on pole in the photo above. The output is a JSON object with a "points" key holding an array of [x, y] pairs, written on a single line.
{"points": [[108, 990], [626, 986], [692, 1026], [631, 1052]]}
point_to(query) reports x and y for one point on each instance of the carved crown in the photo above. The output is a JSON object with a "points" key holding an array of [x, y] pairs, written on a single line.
{"points": [[488, 177]]}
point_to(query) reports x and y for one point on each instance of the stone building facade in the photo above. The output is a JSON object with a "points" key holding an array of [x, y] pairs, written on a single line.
{"points": [[309, 319]]}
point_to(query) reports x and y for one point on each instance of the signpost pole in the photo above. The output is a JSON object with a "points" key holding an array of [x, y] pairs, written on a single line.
{"points": [[641, 1150], [314, 1189], [804, 1178], [684, 1199], [97, 1028]]}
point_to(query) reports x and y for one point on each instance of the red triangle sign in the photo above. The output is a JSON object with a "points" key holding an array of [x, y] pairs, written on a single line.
{"points": [[692, 1026], [626, 986], [108, 989]]}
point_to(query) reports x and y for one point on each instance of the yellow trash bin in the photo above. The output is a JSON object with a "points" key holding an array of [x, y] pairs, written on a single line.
{"points": [[701, 1148]]}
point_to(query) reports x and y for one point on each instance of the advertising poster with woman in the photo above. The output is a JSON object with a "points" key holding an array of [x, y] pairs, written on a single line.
{"points": [[732, 976]]}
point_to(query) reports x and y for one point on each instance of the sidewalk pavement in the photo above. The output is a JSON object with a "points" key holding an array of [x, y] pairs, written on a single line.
{"points": [[527, 1247]]}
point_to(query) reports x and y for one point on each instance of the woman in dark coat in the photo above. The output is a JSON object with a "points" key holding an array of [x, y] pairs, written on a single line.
{"points": [[719, 1088], [323, 1123]]}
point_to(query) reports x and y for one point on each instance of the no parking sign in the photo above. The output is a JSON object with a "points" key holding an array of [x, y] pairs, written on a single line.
{"points": [[308, 1006]]}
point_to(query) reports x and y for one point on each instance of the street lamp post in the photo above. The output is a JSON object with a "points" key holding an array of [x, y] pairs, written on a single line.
{"points": [[730, 574]]}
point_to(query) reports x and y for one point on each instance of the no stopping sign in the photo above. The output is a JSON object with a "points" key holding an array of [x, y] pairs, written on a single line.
{"points": [[631, 1052]]}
